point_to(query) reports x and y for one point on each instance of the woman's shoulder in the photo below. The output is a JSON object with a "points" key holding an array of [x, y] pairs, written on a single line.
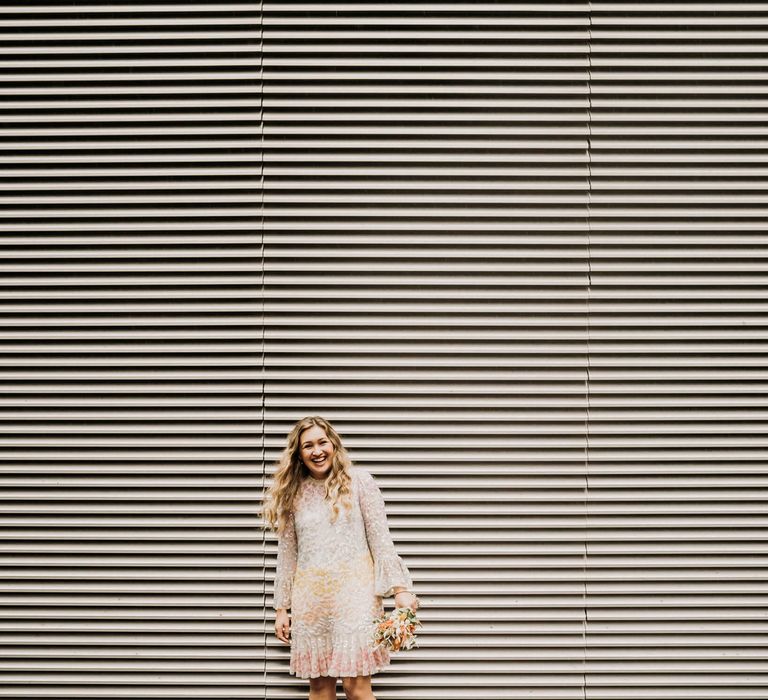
{"points": [[363, 479], [360, 475]]}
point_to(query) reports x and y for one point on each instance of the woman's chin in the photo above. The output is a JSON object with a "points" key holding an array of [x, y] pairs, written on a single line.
{"points": [[319, 473]]}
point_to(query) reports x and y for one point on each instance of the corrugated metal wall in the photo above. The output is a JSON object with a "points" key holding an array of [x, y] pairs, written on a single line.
{"points": [[130, 351], [426, 191], [515, 251], [676, 471]]}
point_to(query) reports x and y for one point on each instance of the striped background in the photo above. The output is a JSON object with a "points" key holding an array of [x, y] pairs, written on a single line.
{"points": [[516, 252]]}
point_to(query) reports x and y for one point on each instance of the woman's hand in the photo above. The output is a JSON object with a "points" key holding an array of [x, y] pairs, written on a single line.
{"points": [[283, 626], [406, 599]]}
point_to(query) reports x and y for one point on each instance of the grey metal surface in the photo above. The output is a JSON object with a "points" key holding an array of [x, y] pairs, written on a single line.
{"points": [[514, 251], [130, 350]]}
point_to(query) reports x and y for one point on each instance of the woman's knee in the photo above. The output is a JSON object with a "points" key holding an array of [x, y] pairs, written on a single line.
{"points": [[357, 687], [323, 687]]}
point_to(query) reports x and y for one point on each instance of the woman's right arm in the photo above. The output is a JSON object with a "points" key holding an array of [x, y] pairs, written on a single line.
{"points": [[287, 555]]}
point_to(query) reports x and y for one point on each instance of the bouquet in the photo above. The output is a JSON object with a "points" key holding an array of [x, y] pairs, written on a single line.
{"points": [[396, 630]]}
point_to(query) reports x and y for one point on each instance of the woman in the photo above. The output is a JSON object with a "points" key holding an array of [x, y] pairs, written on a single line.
{"points": [[335, 562]]}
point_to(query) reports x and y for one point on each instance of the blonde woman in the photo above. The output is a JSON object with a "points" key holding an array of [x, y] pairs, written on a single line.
{"points": [[335, 562]]}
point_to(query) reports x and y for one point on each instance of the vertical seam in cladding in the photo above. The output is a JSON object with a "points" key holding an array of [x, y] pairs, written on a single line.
{"points": [[587, 367], [263, 335]]}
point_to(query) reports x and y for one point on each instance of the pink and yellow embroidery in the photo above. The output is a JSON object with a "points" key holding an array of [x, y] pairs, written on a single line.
{"points": [[333, 576]]}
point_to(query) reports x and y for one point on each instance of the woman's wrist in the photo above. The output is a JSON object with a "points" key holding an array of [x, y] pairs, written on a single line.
{"points": [[412, 598]]}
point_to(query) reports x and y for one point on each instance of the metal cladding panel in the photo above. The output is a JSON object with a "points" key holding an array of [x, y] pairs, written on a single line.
{"points": [[676, 518], [425, 200], [130, 351]]}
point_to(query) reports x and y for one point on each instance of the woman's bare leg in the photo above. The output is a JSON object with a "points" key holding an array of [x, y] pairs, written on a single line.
{"points": [[358, 688], [322, 688]]}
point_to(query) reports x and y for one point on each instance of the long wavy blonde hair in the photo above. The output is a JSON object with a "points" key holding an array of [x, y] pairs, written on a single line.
{"points": [[291, 470]]}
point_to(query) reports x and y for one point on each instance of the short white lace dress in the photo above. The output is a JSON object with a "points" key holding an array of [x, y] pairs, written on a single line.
{"points": [[333, 577]]}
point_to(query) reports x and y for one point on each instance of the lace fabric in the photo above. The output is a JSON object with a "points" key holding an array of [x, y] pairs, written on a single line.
{"points": [[333, 577]]}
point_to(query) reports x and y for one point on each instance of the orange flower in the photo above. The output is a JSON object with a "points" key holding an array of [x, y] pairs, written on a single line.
{"points": [[396, 630]]}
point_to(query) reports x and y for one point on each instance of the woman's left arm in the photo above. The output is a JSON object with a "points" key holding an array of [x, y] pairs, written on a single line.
{"points": [[392, 575]]}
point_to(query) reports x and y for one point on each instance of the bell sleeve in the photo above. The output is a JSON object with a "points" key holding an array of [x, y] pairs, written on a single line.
{"points": [[287, 555], [390, 570]]}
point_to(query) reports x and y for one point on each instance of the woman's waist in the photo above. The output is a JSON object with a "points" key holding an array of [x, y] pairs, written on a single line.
{"points": [[320, 564]]}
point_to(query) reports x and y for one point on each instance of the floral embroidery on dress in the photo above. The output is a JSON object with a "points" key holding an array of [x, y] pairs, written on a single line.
{"points": [[333, 576]]}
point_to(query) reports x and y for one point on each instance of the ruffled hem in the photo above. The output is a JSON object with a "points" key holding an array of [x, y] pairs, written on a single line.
{"points": [[343, 656], [391, 573]]}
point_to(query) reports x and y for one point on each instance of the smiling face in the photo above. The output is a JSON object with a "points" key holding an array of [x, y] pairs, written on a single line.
{"points": [[316, 451]]}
